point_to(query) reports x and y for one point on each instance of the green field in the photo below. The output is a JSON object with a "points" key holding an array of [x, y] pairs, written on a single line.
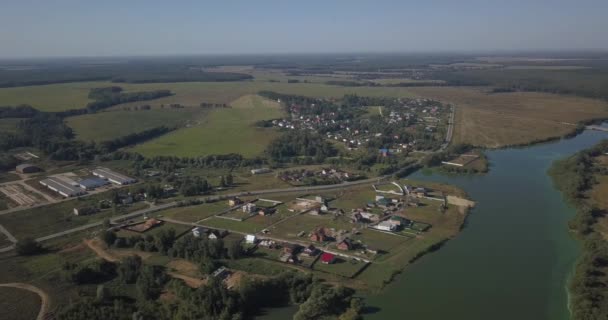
{"points": [[110, 125], [65, 96], [223, 131], [53, 97]]}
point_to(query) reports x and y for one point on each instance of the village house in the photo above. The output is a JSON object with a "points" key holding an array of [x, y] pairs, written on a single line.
{"points": [[250, 239], [214, 235], [311, 251], [399, 222], [291, 248], [234, 202], [199, 232], [386, 226], [328, 258], [346, 244], [319, 235], [249, 208]]}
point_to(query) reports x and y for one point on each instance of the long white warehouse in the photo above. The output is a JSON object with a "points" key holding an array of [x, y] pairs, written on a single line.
{"points": [[113, 176]]}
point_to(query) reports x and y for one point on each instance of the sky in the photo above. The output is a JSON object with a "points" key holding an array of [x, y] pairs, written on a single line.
{"points": [[45, 28]]}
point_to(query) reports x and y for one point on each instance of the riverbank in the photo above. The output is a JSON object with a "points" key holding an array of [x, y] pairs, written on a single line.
{"points": [[583, 181]]}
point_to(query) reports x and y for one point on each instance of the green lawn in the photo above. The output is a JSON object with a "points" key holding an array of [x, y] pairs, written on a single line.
{"points": [[57, 217], [222, 131], [195, 213], [342, 267], [178, 228], [110, 125]]}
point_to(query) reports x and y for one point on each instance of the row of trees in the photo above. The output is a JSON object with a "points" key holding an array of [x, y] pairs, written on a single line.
{"points": [[111, 96], [20, 111]]}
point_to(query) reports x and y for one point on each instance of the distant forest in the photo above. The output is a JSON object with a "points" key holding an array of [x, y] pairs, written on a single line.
{"points": [[22, 73]]}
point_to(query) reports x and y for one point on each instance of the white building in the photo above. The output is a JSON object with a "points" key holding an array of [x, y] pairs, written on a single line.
{"points": [[198, 232], [250, 238], [249, 207], [386, 226]]}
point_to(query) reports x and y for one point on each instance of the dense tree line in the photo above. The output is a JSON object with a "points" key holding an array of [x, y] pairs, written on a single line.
{"points": [[96, 272], [20, 111], [183, 76], [7, 162], [133, 138], [111, 96], [574, 177], [300, 144], [133, 71]]}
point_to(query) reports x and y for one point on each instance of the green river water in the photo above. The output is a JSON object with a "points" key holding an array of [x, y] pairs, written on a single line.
{"points": [[513, 258]]}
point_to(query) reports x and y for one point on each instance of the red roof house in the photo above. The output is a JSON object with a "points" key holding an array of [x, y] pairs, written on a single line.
{"points": [[328, 258]]}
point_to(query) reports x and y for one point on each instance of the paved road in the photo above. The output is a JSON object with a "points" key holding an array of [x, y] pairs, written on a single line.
{"points": [[450, 132]]}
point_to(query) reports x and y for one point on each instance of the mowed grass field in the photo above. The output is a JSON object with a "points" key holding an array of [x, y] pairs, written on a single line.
{"points": [[222, 131], [113, 124], [501, 119], [18, 304]]}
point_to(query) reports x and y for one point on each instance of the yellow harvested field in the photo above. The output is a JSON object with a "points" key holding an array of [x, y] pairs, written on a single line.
{"points": [[501, 119]]}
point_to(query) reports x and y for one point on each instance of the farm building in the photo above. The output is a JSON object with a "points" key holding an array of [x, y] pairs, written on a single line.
{"points": [[63, 186], [328, 258], [27, 168], [112, 176], [92, 183]]}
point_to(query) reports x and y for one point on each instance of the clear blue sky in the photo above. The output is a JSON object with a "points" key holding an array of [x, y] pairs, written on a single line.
{"points": [[150, 27]]}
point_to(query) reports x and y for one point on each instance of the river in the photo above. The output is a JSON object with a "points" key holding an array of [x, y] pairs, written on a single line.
{"points": [[513, 258]]}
